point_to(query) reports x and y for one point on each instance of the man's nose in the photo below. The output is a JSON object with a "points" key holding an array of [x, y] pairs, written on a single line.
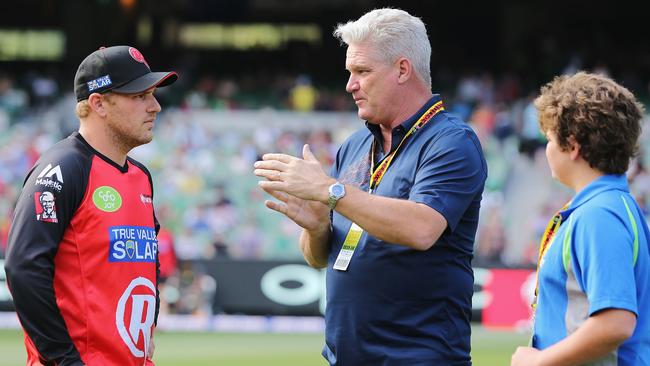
{"points": [[352, 85], [155, 106]]}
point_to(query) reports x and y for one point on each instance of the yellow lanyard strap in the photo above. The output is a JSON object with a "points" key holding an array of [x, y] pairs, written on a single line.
{"points": [[551, 229], [377, 174]]}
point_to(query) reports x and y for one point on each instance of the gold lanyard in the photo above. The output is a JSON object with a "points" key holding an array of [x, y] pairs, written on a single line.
{"points": [[377, 174], [551, 229], [355, 232]]}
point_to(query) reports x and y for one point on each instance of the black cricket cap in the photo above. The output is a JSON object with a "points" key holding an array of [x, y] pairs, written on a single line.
{"points": [[121, 69]]}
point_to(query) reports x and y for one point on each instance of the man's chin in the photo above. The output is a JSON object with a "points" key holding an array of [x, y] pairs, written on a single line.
{"points": [[143, 140], [363, 114]]}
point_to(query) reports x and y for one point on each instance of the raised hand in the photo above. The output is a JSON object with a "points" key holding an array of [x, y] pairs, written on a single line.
{"points": [[302, 178], [310, 215]]}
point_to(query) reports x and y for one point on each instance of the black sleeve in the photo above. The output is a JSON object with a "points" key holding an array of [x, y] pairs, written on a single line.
{"points": [[51, 194]]}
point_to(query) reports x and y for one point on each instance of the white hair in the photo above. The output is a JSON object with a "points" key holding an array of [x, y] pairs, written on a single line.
{"points": [[45, 195], [395, 33]]}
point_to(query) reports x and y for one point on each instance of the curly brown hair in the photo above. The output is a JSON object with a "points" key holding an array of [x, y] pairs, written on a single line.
{"points": [[602, 116]]}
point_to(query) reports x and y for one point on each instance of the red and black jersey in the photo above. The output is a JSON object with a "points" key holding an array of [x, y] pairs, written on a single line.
{"points": [[82, 258]]}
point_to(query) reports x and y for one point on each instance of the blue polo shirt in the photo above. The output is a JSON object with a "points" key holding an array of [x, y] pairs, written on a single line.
{"points": [[395, 305], [591, 266]]}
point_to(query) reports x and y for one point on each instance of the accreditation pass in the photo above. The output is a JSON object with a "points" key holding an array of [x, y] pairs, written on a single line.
{"points": [[347, 250]]}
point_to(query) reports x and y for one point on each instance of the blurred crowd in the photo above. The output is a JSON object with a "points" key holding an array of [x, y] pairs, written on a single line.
{"points": [[212, 130]]}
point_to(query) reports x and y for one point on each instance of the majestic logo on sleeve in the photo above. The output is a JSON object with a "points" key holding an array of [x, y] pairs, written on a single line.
{"points": [[132, 244], [45, 205], [135, 314], [107, 199], [51, 177]]}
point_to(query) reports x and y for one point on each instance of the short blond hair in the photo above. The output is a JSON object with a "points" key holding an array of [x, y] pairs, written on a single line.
{"points": [[83, 108]]}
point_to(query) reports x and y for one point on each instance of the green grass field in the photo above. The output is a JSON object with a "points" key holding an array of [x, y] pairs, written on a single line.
{"points": [[489, 348]]}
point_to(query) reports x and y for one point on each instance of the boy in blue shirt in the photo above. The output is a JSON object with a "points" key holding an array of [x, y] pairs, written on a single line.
{"points": [[592, 304]]}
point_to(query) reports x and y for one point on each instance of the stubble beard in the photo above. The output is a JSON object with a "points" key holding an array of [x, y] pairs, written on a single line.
{"points": [[127, 139]]}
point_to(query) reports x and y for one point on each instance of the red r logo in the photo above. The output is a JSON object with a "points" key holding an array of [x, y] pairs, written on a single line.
{"points": [[135, 314], [136, 55]]}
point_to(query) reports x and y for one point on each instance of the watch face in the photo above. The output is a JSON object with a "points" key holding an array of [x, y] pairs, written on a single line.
{"points": [[337, 190]]}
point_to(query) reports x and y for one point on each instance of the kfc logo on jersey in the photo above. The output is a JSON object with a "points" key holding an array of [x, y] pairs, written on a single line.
{"points": [[135, 314], [46, 175], [45, 205]]}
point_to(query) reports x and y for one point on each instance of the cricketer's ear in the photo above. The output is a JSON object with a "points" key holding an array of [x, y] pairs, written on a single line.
{"points": [[97, 103]]}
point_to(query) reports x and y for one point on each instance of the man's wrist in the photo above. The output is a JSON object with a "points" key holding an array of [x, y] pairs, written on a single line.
{"points": [[336, 191], [326, 190], [320, 230]]}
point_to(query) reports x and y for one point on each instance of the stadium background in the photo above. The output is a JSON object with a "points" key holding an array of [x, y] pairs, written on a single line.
{"points": [[266, 75]]}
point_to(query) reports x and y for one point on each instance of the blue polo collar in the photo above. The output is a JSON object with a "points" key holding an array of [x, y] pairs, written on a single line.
{"points": [[601, 184], [402, 129]]}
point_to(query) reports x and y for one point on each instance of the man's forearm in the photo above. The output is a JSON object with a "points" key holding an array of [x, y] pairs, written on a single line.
{"points": [[403, 222], [315, 247], [36, 306]]}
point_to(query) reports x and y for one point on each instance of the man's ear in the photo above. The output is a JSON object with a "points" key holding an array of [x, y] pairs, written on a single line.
{"points": [[98, 104], [405, 70]]}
